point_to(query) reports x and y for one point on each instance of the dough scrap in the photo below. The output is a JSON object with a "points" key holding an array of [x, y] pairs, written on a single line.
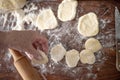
{"points": [[67, 10], [46, 20], [72, 58], [12, 4], [88, 25], [87, 56], [42, 61], [93, 44], [18, 3], [57, 53]]}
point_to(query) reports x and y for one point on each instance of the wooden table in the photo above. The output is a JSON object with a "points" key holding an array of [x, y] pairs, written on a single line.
{"points": [[107, 69]]}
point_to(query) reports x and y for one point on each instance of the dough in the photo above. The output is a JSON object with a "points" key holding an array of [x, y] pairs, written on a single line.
{"points": [[57, 53], [87, 56], [18, 3], [93, 44], [72, 58], [43, 61], [46, 20], [88, 25], [67, 10], [11, 4]]}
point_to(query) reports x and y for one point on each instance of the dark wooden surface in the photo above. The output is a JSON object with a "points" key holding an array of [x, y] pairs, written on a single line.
{"points": [[108, 70]]}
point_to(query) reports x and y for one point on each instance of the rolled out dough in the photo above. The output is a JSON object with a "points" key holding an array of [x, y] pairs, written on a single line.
{"points": [[46, 20], [87, 56], [57, 52], [72, 58], [42, 61], [88, 25], [93, 44], [12, 4], [67, 10]]}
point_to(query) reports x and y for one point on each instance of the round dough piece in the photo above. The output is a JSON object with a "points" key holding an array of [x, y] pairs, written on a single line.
{"points": [[67, 10], [11, 4], [87, 56], [72, 58], [88, 25], [93, 44], [46, 20], [43, 61], [57, 52]]}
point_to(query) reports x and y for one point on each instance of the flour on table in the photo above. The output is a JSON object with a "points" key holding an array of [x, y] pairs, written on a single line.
{"points": [[57, 52], [67, 10], [46, 20], [87, 56], [88, 25], [72, 58], [44, 59], [19, 14], [31, 17], [93, 44]]}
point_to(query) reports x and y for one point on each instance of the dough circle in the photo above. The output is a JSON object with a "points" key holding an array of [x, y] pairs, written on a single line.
{"points": [[88, 25], [46, 20], [87, 56], [42, 61], [72, 58], [67, 10], [12, 4], [57, 53], [93, 44]]}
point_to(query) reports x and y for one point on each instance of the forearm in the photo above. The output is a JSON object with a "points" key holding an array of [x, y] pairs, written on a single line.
{"points": [[3, 39]]}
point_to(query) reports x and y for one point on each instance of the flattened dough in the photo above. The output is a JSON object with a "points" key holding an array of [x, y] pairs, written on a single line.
{"points": [[46, 20], [57, 52], [42, 61], [67, 10], [93, 44], [11, 4], [72, 58], [87, 56], [88, 25]]}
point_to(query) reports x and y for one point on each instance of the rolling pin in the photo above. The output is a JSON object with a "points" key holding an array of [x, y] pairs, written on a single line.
{"points": [[24, 67]]}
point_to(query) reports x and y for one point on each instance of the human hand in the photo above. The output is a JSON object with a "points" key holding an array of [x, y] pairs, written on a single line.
{"points": [[27, 41]]}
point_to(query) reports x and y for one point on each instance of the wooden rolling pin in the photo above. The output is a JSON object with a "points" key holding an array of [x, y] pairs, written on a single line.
{"points": [[24, 67]]}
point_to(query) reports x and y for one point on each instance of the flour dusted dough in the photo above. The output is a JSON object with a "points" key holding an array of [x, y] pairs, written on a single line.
{"points": [[18, 3], [46, 20], [88, 25], [67, 10], [57, 53], [93, 45], [11, 4], [87, 56], [42, 61], [72, 58]]}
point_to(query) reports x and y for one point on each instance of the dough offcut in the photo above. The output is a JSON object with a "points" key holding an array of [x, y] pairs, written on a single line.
{"points": [[93, 45], [87, 56], [72, 58], [11, 4], [67, 10], [88, 25], [57, 52], [46, 20]]}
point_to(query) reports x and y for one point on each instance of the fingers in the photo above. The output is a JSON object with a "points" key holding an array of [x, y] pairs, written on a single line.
{"points": [[41, 43], [33, 53]]}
